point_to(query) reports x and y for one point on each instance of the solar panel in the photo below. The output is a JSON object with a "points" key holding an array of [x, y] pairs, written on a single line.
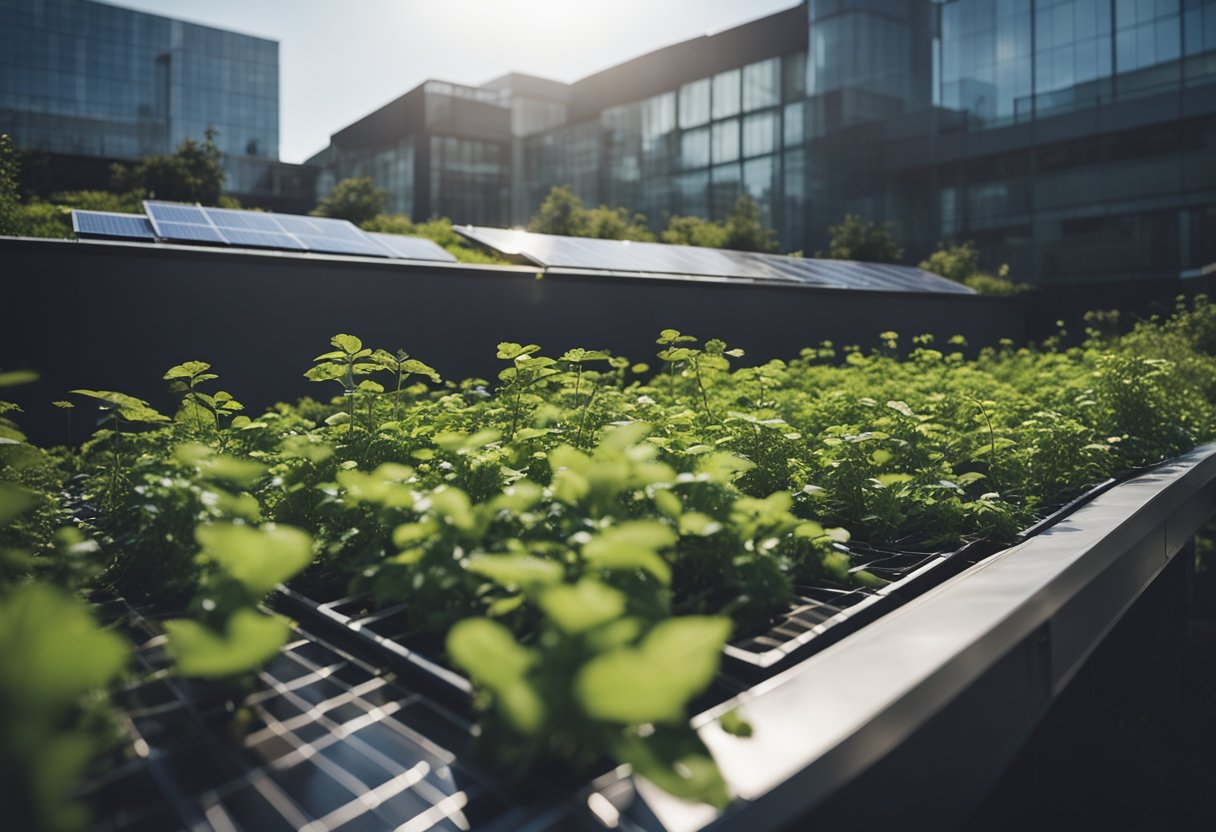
{"points": [[412, 248], [656, 258], [251, 220], [160, 212], [105, 225], [263, 239], [334, 245], [320, 227], [189, 232]]}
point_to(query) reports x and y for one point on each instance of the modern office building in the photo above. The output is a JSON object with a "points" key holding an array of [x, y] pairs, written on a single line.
{"points": [[86, 83], [1073, 139]]}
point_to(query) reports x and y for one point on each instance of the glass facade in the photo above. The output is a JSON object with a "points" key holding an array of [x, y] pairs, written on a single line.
{"points": [[85, 78]]}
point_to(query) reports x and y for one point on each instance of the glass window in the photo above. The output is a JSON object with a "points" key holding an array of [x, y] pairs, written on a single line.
{"points": [[694, 148], [795, 123], [760, 134], [694, 103], [692, 190], [726, 141], [758, 177], [726, 94], [761, 84], [793, 67]]}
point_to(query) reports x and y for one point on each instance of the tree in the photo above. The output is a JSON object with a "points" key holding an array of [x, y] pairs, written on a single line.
{"points": [[194, 173], [745, 230], [956, 262], [357, 200], [856, 239], [562, 213], [694, 231], [961, 263], [559, 213], [10, 204]]}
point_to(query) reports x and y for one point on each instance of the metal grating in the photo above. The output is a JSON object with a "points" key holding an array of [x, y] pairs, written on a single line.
{"points": [[332, 744]]}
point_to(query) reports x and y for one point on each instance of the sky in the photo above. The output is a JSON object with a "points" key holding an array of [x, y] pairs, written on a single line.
{"points": [[339, 61]]}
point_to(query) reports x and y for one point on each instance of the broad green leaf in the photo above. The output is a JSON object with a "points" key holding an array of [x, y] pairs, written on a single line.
{"points": [[888, 480], [258, 558], [582, 606], [250, 639], [52, 652], [454, 505], [14, 377], [416, 367], [349, 344], [632, 545], [129, 408], [675, 760], [700, 525], [488, 652], [14, 500], [517, 571], [326, 372], [187, 369], [215, 466], [655, 681], [722, 466], [900, 407]]}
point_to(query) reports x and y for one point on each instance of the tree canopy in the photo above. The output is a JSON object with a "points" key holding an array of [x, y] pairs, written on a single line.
{"points": [[194, 173], [357, 200], [857, 239], [562, 212], [961, 263]]}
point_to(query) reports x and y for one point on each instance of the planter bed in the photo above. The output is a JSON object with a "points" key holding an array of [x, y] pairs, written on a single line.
{"points": [[350, 729]]}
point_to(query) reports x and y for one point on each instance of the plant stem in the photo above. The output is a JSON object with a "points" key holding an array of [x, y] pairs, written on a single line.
{"points": [[696, 368]]}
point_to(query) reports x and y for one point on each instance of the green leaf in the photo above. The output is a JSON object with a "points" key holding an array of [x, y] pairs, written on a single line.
{"points": [[582, 606], [214, 466], [258, 558], [675, 760], [349, 344], [722, 466], [14, 500], [326, 372], [512, 571], [632, 545], [14, 377], [250, 639], [187, 369], [488, 652], [52, 652], [654, 682]]}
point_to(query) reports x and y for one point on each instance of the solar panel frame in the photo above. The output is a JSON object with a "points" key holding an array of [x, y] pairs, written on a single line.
{"points": [[109, 225]]}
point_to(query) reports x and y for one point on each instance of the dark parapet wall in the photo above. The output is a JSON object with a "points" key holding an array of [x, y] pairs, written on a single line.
{"points": [[115, 316]]}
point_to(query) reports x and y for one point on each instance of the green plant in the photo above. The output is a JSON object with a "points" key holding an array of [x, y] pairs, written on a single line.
{"points": [[855, 239], [342, 365], [357, 200]]}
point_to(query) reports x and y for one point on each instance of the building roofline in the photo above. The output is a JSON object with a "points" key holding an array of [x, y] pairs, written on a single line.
{"points": [[664, 69]]}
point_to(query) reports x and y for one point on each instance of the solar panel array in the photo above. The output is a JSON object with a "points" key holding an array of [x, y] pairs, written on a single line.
{"points": [[193, 224], [552, 251]]}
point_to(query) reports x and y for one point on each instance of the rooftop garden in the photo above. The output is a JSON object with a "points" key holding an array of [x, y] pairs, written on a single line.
{"points": [[579, 537]]}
